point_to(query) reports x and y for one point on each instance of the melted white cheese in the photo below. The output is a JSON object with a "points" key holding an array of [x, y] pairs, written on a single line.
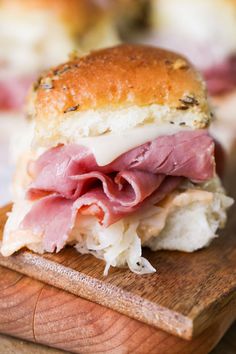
{"points": [[106, 148]]}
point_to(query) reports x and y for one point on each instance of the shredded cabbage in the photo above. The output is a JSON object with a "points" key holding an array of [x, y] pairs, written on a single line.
{"points": [[119, 244]]}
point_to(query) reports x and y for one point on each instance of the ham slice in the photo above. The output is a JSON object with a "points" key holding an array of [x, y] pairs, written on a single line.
{"points": [[13, 92], [67, 179], [188, 154], [222, 77], [54, 216]]}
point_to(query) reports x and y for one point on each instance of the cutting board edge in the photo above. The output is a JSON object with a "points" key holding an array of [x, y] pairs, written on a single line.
{"points": [[204, 319], [27, 262], [50, 275]]}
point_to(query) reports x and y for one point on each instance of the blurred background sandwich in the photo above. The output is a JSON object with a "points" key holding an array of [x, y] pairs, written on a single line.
{"points": [[205, 32]]}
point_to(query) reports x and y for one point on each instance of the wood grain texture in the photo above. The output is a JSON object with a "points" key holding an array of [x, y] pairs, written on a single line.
{"points": [[41, 313], [186, 295], [11, 345]]}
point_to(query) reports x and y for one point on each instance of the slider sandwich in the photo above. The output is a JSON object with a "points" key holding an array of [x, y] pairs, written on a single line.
{"points": [[36, 34], [121, 158], [204, 31]]}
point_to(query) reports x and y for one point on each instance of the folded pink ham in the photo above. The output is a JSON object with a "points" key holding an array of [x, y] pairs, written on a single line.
{"points": [[67, 181], [222, 77], [13, 92]]}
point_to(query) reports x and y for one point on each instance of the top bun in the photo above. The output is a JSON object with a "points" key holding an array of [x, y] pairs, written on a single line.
{"points": [[127, 77], [120, 76]]}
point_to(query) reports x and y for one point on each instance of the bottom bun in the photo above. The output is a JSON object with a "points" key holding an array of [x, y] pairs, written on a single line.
{"points": [[193, 220], [186, 220]]}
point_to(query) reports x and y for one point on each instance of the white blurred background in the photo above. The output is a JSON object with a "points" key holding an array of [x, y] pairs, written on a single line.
{"points": [[8, 125]]}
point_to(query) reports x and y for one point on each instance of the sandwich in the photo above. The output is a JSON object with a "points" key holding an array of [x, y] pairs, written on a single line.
{"points": [[36, 34], [204, 31], [120, 159]]}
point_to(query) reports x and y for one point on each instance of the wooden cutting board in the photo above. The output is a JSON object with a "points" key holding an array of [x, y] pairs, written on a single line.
{"points": [[43, 314], [187, 294]]}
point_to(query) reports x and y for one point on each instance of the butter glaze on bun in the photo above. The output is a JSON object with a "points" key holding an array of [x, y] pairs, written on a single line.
{"points": [[130, 78], [120, 76]]}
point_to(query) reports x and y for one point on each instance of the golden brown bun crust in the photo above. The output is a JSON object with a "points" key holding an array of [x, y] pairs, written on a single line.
{"points": [[116, 77], [77, 14]]}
